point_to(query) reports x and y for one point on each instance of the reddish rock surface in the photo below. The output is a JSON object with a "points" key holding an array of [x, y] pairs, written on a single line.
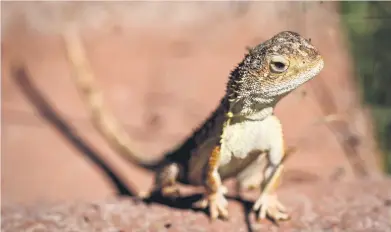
{"points": [[161, 80], [321, 207]]}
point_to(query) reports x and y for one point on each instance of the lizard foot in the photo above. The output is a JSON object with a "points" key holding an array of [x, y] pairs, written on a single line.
{"points": [[269, 205], [217, 204], [171, 191]]}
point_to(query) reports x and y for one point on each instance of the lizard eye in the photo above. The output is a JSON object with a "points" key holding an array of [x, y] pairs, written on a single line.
{"points": [[278, 64]]}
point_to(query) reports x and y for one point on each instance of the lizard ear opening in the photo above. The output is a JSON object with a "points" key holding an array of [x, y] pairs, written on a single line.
{"points": [[278, 64]]}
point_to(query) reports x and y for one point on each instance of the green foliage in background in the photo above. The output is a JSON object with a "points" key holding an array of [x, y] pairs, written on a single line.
{"points": [[368, 28]]}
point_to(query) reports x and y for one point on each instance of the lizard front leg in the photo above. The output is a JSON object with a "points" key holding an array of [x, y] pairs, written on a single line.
{"points": [[268, 204], [214, 195]]}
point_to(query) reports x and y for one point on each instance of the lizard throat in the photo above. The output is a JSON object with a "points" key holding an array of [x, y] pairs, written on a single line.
{"points": [[252, 108]]}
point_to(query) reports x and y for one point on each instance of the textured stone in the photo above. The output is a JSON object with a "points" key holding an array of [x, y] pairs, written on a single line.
{"points": [[323, 206]]}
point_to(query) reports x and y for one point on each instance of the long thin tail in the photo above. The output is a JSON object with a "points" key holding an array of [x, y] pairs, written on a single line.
{"points": [[103, 121]]}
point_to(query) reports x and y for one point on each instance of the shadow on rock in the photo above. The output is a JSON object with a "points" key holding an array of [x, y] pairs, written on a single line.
{"points": [[49, 114]]}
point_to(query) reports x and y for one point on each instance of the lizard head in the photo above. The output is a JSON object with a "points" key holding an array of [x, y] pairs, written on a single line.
{"points": [[274, 68]]}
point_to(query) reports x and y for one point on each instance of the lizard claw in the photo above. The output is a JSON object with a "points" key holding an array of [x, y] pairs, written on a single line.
{"points": [[269, 205], [217, 204]]}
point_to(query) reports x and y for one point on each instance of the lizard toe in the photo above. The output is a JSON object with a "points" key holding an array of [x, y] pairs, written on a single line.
{"points": [[269, 206], [217, 204]]}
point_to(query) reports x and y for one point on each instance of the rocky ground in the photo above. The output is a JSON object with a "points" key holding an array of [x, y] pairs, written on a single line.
{"points": [[330, 207]]}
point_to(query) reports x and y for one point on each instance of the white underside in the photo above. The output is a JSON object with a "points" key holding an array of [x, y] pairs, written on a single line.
{"points": [[242, 145]]}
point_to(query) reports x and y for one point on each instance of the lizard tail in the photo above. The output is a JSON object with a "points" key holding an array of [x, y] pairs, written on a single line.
{"points": [[103, 121]]}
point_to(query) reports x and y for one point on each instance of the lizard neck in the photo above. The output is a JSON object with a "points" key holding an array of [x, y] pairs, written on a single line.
{"points": [[252, 108], [245, 96], [261, 114]]}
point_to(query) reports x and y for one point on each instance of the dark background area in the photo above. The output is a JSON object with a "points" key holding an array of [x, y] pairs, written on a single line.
{"points": [[368, 25]]}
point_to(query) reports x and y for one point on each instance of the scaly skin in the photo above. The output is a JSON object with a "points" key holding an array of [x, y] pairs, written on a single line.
{"points": [[241, 139]]}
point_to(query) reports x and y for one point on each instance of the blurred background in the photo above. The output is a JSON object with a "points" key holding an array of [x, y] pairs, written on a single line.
{"points": [[163, 67]]}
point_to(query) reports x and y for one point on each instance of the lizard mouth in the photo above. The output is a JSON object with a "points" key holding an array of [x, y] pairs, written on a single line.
{"points": [[312, 71]]}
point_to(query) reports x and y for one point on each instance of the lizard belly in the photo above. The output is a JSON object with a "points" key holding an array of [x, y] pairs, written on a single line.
{"points": [[242, 145]]}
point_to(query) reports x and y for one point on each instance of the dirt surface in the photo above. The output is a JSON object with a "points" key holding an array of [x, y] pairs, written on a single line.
{"points": [[328, 207]]}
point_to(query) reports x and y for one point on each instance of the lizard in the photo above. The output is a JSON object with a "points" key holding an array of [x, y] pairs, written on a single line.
{"points": [[241, 139]]}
